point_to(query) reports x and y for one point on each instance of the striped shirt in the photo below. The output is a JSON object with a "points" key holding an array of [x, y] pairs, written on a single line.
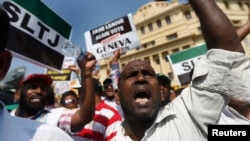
{"points": [[104, 125]]}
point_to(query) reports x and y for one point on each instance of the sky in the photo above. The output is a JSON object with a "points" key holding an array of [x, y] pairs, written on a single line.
{"points": [[84, 15]]}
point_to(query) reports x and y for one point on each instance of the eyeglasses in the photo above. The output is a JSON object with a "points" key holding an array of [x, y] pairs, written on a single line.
{"points": [[70, 101]]}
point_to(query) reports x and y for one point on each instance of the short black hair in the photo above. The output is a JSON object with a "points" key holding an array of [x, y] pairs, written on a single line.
{"points": [[67, 93], [107, 81], [164, 78]]}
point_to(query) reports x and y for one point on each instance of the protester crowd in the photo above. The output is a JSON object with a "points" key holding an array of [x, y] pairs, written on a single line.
{"points": [[135, 103]]}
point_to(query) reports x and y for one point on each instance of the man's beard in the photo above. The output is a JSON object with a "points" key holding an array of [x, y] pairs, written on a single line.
{"points": [[32, 108]]}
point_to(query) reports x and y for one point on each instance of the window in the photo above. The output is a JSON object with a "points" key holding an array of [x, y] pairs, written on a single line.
{"points": [[158, 22], [236, 21], [171, 37], [168, 20], [186, 47], [152, 43], [188, 15], [248, 4], [148, 44], [226, 4], [156, 59], [150, 26], [175, 50], [142, 30], [241, 5], [147, 59], [166, 58]]}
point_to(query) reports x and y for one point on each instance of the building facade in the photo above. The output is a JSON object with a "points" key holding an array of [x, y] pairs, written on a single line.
{"points": [[168, 27]]}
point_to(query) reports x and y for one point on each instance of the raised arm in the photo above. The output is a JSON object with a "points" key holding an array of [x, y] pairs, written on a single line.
{"points": [[244, 30], [116, 57], [115, 67], [217, 30], [215, 74], [87, 97]]}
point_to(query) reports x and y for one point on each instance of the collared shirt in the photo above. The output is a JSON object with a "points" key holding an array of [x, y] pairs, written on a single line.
{"points": [[230, 116], [217, 76], [16, 129], [60, 117]]}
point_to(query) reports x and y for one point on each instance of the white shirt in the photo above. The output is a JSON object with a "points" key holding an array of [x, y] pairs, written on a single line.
{"points": [[21, 129], [51, 117], [60, 117], [217, 76], [230, 116]]}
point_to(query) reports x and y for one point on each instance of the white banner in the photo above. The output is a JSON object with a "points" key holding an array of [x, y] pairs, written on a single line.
{"points": [[118, 34]]}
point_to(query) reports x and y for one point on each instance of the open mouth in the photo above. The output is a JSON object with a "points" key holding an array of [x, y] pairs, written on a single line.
{"points": [[142, 97], [36, 99]]}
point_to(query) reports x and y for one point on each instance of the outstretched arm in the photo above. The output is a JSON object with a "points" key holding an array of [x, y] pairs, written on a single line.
{"points": [[115, 67], [116, 56], [87, 98], [245, 29], [217, 30], [215, 73]]}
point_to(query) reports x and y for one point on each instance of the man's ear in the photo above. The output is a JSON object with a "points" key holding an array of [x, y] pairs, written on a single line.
{"points": [[17, 95], [5, 62], [117, 96]]}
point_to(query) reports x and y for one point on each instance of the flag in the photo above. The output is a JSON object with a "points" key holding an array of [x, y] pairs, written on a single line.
{"points": [[37, 34], [183, 62]]}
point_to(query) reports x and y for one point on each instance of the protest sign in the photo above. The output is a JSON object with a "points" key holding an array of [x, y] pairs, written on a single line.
{"points": [[183, 62], [63, 75], [64, 79], [37, 34], [121, 33]]}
